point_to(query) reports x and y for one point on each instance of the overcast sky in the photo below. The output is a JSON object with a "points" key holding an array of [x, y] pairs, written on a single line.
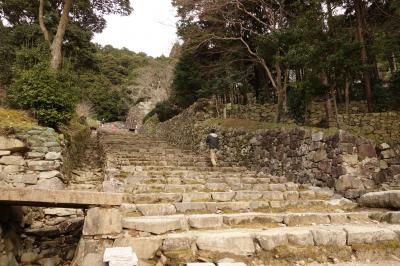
{"points": [[150, 28]]}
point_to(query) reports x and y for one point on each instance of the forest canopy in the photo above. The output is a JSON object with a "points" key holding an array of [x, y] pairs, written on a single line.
{"points": [[288, 52]]}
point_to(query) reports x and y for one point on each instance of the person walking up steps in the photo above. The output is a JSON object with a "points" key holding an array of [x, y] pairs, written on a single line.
{"points": [[213, 144]]}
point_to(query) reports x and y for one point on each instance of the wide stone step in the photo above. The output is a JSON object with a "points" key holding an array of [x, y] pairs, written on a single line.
{"points": [[251, 191], [269, 246], [58, 198], [174, 223], [243, 195], [126, 168], [138, 178], [265, 206], [138, 171], [176, 163]]}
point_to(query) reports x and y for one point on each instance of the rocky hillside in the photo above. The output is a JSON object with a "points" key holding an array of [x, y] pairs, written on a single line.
{"points": [[151, 85]]}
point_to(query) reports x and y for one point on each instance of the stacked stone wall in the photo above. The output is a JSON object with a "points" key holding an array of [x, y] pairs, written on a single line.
{"points": [[351, 164], [34, 158], [382, 127], [31, 158]]}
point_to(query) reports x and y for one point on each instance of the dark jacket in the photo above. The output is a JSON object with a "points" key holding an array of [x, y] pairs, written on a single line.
{"points": [[212, 141]]}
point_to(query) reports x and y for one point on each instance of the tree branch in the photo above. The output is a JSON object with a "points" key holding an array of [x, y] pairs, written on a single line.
{"points": [[41, 23]]}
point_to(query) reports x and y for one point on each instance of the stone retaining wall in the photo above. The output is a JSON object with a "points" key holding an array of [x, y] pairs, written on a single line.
{"points": [[383, 127], [31, 158], [350, 164], [34, 158]]}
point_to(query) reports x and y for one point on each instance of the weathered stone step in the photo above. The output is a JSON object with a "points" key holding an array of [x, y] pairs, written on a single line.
{"points": [[382, 199], [58, 198], [138, 171], [238, 206], [174, 223], [200, 179], [226, 169], [230, 196], [253, 191], [333, 241], [176, 163]]}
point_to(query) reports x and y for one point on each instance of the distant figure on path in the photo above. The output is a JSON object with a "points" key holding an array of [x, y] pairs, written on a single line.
{"points": [[213, 144]]}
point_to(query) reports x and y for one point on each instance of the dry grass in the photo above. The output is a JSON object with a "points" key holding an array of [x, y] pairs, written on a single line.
{"points": [[16, 119]]}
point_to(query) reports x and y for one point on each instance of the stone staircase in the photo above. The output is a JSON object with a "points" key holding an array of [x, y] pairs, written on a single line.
{"points": [[181, 210], [88, 175]]}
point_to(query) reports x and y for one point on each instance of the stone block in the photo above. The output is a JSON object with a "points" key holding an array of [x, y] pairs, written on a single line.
{"points": [[223, 196], [196, 197], [12, 160], [248, 195], [190, 206], [51, 156], [50, 174], [4, 153], [178, 242], [100, 221], [12, 145], [34, 155], [205, 221], [145, 248], [346, 182], [42, 165], [272, 239], [291, 195], [306, 219], [156, 209], [307, 194], [273, 195], [368, 234], [277, 187], [300, 237], [236, 243], [52, 184], [329, 236], [155, 225]]}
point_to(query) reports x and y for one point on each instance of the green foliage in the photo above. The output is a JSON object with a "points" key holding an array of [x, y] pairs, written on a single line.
{"points": [[187, 82], [297, 101], [6, 55], [108, 103], [164, 110], [387, 96], [49, 96]]}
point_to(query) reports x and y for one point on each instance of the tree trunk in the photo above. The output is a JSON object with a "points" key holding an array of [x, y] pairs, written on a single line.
{"points": [[279, 105], [333, 94], [41, 23], [56, 47], [279, 93], [347, 93], [393, 65], [359, 6]]}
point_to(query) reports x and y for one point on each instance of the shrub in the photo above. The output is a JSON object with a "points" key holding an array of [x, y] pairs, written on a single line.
{"points": [[165, 110], [49, 96]]}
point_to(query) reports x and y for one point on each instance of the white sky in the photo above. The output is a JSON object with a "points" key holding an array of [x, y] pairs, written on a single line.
{"points": [[150, 28]]}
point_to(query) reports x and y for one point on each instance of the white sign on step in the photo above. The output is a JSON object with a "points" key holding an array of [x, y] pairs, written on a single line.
{"points": [[120, 257]]}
